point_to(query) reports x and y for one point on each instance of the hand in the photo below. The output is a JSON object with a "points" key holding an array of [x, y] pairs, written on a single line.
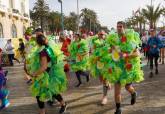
{"points": [[123, 55]]}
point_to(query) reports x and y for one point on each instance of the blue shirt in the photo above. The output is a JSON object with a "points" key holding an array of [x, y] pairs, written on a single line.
{"points": [[154, 41]]}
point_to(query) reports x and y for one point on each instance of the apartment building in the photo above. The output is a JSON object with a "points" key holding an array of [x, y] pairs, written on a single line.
{"points": [[14, 18]]}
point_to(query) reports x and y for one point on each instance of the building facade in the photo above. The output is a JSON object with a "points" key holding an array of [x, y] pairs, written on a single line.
{"points": [[14, 18]]}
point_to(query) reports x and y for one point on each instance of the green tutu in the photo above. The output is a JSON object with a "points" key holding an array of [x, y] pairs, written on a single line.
{"points": [[79, 55], [48, 83]]}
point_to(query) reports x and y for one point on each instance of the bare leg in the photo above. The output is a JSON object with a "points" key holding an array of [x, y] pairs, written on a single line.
{"points": [[133, 93]]}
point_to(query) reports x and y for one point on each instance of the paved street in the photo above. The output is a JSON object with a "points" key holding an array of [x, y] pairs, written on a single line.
{"points": [[86, 99]]}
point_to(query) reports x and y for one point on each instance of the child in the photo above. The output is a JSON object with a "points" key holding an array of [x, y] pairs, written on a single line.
{"points": [[3, 91], [0, 56]]}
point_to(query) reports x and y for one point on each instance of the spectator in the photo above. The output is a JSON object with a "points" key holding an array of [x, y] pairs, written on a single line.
{"points": [[10, 52], [3, 91], [0, 56]]}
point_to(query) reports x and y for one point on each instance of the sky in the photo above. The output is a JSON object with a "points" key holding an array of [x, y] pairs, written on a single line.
{"points": [[108, 11]]}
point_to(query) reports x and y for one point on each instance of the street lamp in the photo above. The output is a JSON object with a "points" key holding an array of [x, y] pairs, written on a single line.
{"points": [[62, 17], [78, 18]]}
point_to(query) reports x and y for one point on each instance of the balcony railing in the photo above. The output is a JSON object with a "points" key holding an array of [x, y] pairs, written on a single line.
{"points": [[25, 15], [2, 7], [15, 11]]}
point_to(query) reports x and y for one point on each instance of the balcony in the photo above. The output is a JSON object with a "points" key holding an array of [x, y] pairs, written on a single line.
{"points": [[15, 11], [26, 15], [3, 8]]}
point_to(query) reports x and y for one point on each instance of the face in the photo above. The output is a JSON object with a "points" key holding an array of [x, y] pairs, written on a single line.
{"points": [[76, 37], [120, 28], [152, 33], [163, 33], [9, 41], [101, 36]]}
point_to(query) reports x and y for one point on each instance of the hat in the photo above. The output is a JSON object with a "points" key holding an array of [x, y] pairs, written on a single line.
{"points": [[39, 30], [91, 33]]}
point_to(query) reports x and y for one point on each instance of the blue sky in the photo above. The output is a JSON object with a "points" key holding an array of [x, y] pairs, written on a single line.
{"points": [[109, 11]]}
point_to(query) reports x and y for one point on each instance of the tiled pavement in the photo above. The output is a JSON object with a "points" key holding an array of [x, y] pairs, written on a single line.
{"points": [[86, 99]]}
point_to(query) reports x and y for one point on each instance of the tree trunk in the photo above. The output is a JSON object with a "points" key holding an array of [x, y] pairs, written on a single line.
{"points": [[151, 24], [41, 23], [144, 26], [140, 27], [154, 25]]}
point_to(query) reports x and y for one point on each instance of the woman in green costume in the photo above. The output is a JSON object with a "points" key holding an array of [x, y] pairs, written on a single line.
{"points": [[79, 58], [127, 58], [100, 64], [45, 66]]}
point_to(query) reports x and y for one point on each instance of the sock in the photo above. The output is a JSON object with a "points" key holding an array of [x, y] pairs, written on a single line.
{"points": [[118, 105]]}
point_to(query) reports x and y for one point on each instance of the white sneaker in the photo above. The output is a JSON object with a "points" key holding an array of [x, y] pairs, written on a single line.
{"points": [[104, 101]]}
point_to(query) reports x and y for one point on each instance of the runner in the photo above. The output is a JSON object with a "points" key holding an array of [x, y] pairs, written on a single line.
{"points": [[98, 62], [46, 68], [162, 50], [154, 44], [127, 69], [65, 45], [79, 58], [29, 44]]}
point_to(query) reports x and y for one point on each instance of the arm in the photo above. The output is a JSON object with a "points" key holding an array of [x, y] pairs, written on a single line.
{"points": [[9, 47], [44, 65], [134, 54]]}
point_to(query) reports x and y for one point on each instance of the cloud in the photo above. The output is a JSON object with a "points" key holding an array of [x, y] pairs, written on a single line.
{"points": [[109, 11]]}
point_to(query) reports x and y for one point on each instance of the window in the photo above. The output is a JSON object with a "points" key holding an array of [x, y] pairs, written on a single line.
{"points": [[11, 4], [14, 31], [24, 30], [1, 31], [23, 6]]}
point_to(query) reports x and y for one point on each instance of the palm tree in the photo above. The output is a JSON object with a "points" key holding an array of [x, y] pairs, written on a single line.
{"points": [[140, 20], [88, 17], [71, 22], [54, 21], [152, 14], [41, 11]]}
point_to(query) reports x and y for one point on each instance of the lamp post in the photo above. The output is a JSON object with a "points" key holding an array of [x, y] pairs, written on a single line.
{"points": [[78, 18], [62, 17]]}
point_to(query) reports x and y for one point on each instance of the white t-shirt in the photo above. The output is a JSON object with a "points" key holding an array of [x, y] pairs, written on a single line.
{"points": [[144, 39], [9, 48]]}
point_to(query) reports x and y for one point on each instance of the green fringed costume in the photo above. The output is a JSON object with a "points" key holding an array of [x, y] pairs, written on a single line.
{"points": [[101, 63], [127, 70], [48, 83], [79, 55]]}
